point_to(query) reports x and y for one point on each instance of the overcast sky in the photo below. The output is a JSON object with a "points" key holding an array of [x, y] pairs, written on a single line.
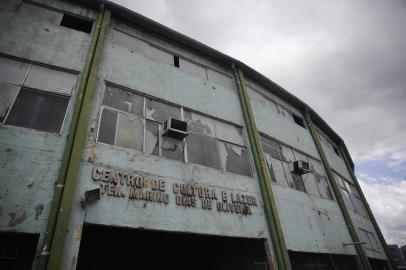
{"points": [[346, 59]]}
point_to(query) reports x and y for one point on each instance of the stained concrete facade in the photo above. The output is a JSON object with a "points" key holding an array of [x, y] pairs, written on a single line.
{"points": [[142, 63]]}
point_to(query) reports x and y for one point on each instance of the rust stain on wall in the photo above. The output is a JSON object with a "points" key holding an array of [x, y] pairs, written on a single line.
{"points": [[15, 220], [39, 208], [78, 233]]}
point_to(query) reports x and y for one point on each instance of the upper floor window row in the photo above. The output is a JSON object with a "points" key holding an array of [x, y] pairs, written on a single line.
{"points": [[282, 165], [133, 121], [270, 103], [351, 196], [54, 17], [34, 96], [139, 46]]}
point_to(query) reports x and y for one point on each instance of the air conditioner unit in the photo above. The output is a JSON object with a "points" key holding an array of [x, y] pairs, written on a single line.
{"points": [[300, 167], [175, 128]]}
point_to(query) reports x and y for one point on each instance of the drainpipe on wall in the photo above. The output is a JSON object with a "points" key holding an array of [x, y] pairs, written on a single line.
{"points": [[271, 211], [54, 239], [344, 151], [347, 218]]}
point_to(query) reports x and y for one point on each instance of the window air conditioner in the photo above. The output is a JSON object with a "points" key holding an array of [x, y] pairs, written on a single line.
{"points": [[300, 167], [176, 129]]}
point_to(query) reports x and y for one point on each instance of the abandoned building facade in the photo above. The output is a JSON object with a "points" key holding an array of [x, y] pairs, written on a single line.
{"points": [[125, 144]]}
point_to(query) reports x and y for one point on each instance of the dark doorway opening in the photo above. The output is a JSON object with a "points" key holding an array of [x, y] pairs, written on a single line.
{"points": [[17, 250], [104, 247]]}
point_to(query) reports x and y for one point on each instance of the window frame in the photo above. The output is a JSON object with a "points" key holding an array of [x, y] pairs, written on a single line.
{"points": [[295, 152], [21, 86], [182, 110]]}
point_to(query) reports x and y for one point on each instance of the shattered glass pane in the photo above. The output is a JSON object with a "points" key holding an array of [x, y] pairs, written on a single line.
{"points": [[234, 159], [107, 129], [151, 138], [279, 171], [199, 124], [321, 179], [192, 68], [51, 80], [229, 133], [299, 185], [203, 150], [8, 94], [38, 110], [270, 147], [159, 111], [347, 200], [288, 158], [310, 184], [123, 100], [132, 43], [172, 149], [130, 131], [12, 71], [270, 168]]}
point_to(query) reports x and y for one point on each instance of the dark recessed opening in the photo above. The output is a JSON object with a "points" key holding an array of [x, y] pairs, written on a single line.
{"points": [[298, 120], [176, 61], [179, 124], [104, 247], [17, 250], [77, 23], [336, 150]]}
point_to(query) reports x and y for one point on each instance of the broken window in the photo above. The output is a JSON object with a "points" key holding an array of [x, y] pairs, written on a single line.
{"points": [[126, 101], [308, 178], [151, 138], [288, 157], [107, 128], [229, 133], [129, 132], [34, 96], [77, 23], [121, 129], [38, 110], [298, 120], [172, 149], [159, 111], [316, 169], [82, 24], [234, 159], [216, 144], [203, 150], [199, 124]]}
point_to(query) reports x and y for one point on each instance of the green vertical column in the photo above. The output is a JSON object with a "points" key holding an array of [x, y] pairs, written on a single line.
{"points": [[336, 189], [61, 228], [391, 263], [271, 211], [60, 183]]}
